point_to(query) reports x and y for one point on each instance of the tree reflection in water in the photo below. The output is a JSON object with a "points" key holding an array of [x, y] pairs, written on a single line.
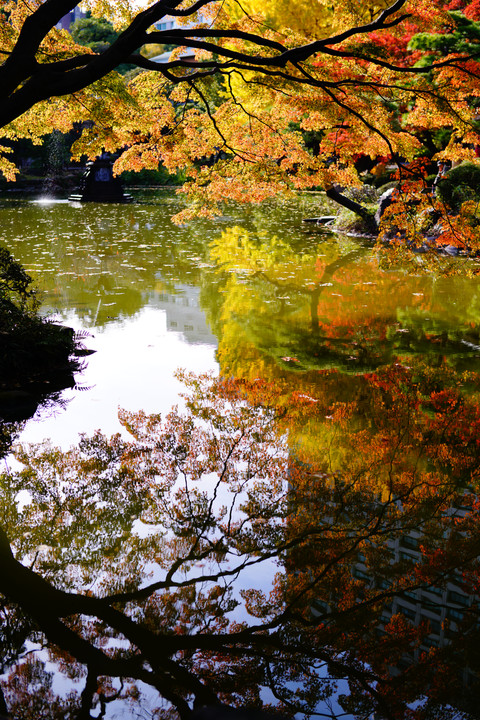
{"points": [[129, 570]]}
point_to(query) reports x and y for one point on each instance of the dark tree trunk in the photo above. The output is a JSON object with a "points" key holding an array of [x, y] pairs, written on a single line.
{"points": [[366, 215]]}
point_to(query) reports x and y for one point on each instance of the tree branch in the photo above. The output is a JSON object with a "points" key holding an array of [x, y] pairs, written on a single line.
{"points": [[180, 36]]}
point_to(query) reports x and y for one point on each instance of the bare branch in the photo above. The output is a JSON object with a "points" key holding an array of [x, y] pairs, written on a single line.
{"points": [[182, 36]]}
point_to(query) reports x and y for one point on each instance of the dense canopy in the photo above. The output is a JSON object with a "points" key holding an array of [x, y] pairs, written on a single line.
{"points": [[268, 98]]}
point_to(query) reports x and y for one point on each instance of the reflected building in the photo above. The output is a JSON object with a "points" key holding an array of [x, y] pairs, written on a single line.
{"points": [[441, 609], [184, 314]]}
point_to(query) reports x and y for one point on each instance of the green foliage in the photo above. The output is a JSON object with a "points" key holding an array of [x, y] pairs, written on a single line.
{"points": [[442, 137], [97, 34], [31, 348], [462, 183], [15, 283], [94, 33], [147, 177], [463, 38]]}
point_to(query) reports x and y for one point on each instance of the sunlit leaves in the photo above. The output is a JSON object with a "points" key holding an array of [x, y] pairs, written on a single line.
{"points": [[236, 123]]}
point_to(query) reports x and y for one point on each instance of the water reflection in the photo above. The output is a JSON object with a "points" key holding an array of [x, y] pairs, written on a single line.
{"points": [[305, 534], [117, 255], [129, 554], [331, 306]]}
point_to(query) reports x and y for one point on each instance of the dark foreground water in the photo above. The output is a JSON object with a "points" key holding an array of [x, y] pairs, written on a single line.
{"points": [[302, 532]]}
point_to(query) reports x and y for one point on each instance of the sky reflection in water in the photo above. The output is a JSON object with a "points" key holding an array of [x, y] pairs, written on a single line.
{"points": [[370, 365]]}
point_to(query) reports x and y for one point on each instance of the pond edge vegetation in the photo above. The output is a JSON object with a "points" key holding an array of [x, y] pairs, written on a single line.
{"points": [[37, 355]]}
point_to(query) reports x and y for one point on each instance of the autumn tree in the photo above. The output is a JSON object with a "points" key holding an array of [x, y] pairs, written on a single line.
{"points": [[346, 87]]}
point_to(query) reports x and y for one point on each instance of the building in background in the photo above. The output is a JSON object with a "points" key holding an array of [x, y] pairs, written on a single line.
{"points": [[69, 18], [171, 23]]}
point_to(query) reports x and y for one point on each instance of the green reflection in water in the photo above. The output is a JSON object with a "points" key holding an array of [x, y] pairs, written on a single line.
{"points": [[103, 260], [358, 386]]}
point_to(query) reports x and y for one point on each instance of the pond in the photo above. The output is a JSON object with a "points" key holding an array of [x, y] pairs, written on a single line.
{"points": [[303, 531]]}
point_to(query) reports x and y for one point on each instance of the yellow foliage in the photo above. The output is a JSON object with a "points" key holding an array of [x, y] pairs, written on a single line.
{"points": [[317, 19], [244, 131]]}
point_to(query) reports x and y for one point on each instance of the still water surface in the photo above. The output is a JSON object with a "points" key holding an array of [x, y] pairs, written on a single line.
{"points": [[138, 287], [377, 368], [151, 297]]}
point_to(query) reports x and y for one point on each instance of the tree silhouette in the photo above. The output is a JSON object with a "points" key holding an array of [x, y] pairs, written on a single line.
{"points": [[132, 560]]}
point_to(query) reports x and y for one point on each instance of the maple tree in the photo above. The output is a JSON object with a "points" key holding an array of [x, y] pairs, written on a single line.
{"points": [[244, 138]]}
